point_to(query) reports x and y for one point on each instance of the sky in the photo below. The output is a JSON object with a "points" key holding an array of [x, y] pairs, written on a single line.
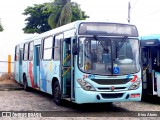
{"points": [[145, 14]]}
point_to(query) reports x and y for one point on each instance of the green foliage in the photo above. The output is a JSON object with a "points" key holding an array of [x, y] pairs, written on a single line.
{"points": [[63, 12], [44, 17], [1, 27], [37, 20], [77, 13]]}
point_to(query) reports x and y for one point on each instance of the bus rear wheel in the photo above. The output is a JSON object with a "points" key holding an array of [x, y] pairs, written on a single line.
{"points": [[57, 93], [25, 85]]}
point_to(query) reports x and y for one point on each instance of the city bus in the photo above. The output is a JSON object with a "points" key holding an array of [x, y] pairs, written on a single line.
{"points": [[150, 57], [83, 62]]}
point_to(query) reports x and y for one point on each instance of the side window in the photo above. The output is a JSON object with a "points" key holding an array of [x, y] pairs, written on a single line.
{"points": [[57, 43], [25, 51], [145, 56], [16, 53], [81, 54], [47, 48], [31, 51]]}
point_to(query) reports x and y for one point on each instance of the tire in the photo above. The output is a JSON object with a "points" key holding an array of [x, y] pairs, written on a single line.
{"points": [[109, 103], [57, 98], [25, 84]]}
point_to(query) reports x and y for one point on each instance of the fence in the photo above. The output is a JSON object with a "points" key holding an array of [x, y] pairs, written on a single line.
{"points": [[6, 66]]}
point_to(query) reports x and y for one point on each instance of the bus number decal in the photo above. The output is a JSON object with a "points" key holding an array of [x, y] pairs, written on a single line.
{"points": [[85, 76], [128, 76], [89, 76]]}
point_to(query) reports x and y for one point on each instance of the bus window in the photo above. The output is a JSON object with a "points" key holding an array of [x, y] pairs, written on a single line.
{"points": [[57, 46], [145, 57], [47, 48], [16, 53], [31, 51], [25, 52], [81, 54]]}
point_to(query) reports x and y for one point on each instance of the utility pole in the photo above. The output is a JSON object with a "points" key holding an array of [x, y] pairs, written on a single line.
{"points": [[129, 11]]}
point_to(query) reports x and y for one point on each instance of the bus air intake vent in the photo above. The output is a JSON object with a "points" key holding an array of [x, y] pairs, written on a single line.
{"points": [[109, 88], [110, 96], [111, 81]]}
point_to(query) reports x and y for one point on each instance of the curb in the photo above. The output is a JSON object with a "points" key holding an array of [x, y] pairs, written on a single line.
{"points": [[10, 87]]}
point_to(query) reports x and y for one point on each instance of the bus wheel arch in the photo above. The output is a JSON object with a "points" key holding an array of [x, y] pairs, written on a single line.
{"points": [[56, 91], [25, 84]]}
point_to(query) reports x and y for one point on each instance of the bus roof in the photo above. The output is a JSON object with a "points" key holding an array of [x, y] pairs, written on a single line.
{"points": [[73, 25], [151, 36], [150, 40]]}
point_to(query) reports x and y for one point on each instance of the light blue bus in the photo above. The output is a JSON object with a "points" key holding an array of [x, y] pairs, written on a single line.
{"points": [[83, 62], [150, 54]]}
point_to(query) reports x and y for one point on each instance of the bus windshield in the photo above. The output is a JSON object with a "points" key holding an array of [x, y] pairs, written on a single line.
{"points": [[108, 56]]}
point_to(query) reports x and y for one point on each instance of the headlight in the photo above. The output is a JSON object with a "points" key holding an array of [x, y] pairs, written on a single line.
{"points": [[85, 85], [136, 84]]}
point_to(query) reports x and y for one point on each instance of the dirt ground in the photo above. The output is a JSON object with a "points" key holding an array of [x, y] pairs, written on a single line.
{"points": [[7, 82], [7, 79]]}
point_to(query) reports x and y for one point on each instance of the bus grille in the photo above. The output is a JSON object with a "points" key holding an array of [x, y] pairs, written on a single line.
{"points": [[115, 95], [111, 81], [109, 88]]}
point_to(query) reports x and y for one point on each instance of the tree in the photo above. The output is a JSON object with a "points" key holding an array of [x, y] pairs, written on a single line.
{"points": [[63, 12], [37, 20], [44, 17], [1, 27]]}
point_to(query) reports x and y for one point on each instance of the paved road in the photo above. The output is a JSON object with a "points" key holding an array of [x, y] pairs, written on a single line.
{"points": [[33, 100]]}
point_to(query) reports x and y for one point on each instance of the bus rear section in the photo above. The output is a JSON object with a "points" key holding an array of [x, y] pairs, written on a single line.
{"points": [[150, 57]]}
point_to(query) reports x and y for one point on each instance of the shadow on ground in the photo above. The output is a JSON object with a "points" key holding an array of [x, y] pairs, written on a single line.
{"points": [[96, 107], [151, 99]]}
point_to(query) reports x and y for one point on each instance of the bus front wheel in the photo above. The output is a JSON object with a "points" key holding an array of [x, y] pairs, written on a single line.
{"points": [[57, 94]]}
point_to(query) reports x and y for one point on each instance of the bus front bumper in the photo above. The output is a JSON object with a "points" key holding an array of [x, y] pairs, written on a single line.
{"points": [[82, 96]]}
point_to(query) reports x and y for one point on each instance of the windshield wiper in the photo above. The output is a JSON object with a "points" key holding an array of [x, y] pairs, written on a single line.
{"points": [[122, 43], [102, 43]]}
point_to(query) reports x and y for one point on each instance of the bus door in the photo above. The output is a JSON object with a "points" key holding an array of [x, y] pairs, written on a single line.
{"points": [[67, 74], [154, 56], [20, 66], [157, 73], [36, 66], [149, 68]]}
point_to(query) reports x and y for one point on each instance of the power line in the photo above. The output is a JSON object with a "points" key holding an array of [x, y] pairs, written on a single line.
{"points": [[149, 14], [155, 12], [130, 9], [133, 6]]}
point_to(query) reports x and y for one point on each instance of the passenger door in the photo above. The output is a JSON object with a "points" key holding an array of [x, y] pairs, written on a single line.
{"points": [[20, 66], [67, 65], [147, 70], [149, 65], [17, 64], [36, 66]]}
